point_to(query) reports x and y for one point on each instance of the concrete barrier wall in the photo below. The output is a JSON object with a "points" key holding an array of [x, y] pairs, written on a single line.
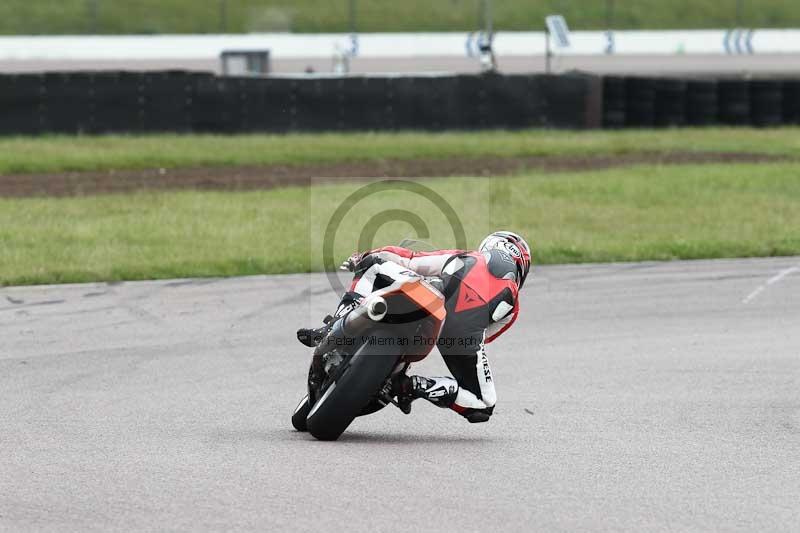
{"points": [[393, 45]]}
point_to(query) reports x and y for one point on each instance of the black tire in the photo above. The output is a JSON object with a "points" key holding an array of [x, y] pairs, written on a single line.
{"points": [[300, 414], [734, 102], [766, 102], [640, 100], [670, 106], [613, 102], [345, 398], [701, 102], [791, 102]]}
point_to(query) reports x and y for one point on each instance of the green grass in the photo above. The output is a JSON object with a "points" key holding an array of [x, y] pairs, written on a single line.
{"points": [[191, 16], [19, 155], [650, 212]]}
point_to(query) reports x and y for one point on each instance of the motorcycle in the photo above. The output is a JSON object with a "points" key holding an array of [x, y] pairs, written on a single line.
{"points": [[354, 370]]}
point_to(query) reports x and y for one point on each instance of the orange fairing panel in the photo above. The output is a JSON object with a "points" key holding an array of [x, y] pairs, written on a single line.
{"points": [[426, 299]]}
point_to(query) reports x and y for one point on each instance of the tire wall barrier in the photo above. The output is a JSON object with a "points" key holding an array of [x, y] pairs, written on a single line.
{"points": [[174, 101], [663, 102]]}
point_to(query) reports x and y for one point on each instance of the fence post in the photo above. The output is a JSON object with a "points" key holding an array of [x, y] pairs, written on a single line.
{"points": [[609, 14], [91, 7], [223, 16], [488, 17], [351, 16], [547, 52]]}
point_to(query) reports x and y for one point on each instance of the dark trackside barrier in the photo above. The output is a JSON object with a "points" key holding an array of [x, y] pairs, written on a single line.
{"points": [[733, 97], [791, 102], [177, 101], [172, 101], [662, 102], [614, 103], [640, 102], [766, 107], [702, 104], [670, 102], [22, 104]]}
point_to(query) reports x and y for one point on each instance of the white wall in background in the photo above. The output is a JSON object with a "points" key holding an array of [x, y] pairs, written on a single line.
{"points": [[377, 45]]}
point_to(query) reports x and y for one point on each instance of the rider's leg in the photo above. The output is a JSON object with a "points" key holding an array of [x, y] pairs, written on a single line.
{"points": [[440, 391], [470, 392], [476, 394]]}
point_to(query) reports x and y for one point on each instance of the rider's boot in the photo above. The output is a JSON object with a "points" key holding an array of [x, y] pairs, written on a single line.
{"points": [[311, 337], [440, 391]]}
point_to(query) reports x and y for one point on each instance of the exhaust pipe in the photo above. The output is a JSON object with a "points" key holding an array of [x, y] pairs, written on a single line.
{"points": [[377, 309]]}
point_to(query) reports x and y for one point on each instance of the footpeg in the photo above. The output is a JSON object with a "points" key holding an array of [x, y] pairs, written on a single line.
{"points": [[385, 397]]}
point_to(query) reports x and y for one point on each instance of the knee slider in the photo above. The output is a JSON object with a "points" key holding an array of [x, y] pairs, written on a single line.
{"points": [[476, 416]]}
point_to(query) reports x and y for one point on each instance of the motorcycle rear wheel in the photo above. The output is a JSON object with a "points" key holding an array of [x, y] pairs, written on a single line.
{"points": [[355, 386], [300, 414]]}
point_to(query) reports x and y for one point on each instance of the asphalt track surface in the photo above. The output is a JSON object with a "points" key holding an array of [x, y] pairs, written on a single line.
{"points": [[694, 64], [639, 397]]}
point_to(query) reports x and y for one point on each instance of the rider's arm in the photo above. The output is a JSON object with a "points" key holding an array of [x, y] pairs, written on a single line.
{"points": [[504, 315], [423, 263]]}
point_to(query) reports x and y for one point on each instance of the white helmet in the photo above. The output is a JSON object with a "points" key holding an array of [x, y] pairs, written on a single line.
{"points": [[515, 246]]}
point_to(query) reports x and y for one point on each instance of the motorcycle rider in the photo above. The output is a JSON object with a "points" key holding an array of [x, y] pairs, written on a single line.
{"points": [[481, 290]]}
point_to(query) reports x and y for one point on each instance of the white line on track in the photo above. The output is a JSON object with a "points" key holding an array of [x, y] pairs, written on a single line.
{"points": [[771, 281]]}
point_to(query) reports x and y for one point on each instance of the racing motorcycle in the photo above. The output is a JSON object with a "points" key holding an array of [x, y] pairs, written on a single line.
{"points": [[355, 368]]}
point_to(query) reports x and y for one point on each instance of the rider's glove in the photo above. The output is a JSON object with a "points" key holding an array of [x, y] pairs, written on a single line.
{"points": [[436, 282], [351, 263], [359, 263]]}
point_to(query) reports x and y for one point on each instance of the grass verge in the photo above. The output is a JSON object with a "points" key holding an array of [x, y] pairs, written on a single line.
{"points": [[51, 154], [181, 16], [640, 213]]}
